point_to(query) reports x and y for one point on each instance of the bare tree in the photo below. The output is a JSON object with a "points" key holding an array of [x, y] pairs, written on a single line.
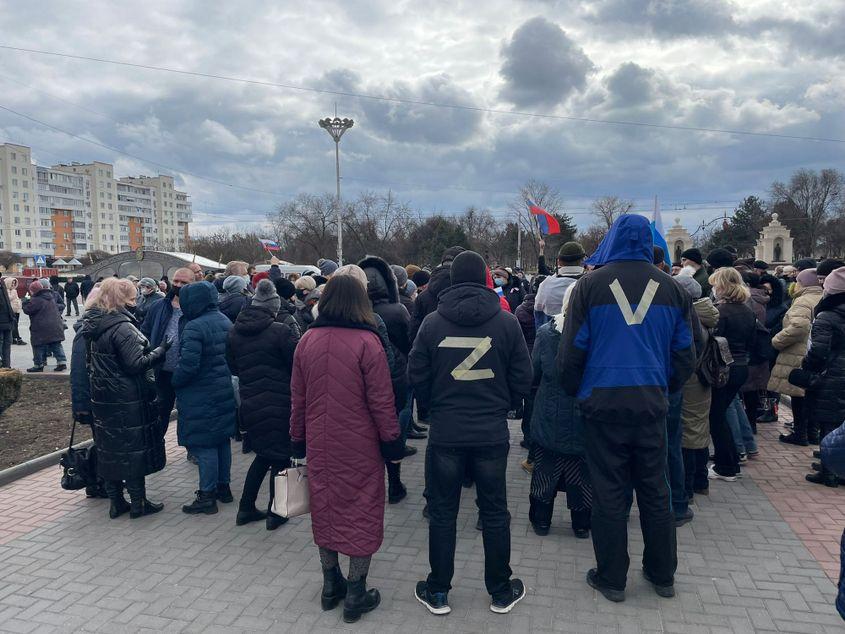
{"points": [[809, 198], [8, 259], [592, 237], [376, 224], [547, 198], [608, 208], [306, 227]]}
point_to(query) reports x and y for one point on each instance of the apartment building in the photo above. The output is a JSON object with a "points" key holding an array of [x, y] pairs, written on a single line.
{"points": [[68, 210]]}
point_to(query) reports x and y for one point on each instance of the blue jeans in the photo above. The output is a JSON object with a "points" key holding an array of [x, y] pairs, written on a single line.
{"points": [[39, 353], [675, 458], [406, 416], [740, 427], [215, 465]]}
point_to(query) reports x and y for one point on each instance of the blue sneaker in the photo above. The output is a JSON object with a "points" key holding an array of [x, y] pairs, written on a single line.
{"points": [[436, 602]]}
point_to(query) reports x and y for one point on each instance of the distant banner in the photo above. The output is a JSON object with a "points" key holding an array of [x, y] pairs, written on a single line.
{"points": [[270, 245]]}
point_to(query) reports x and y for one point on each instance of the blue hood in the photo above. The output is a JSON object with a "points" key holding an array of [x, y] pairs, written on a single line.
{"points": [[197, 298], [628, 239]]}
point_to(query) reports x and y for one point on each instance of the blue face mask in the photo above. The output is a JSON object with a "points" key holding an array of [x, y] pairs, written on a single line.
{"points": [[498, 281]]}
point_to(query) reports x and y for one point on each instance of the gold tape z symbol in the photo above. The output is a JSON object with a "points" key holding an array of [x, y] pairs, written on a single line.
{"points": [[480, 346], [634, 318]]}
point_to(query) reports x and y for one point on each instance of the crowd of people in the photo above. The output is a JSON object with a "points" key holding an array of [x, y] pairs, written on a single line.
{"points": [[624, 371]]}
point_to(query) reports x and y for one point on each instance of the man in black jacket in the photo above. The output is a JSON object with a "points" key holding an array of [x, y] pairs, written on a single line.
{"points": [[85, 287], [71, 294], [469, 366], [427, 300], [626, 342]]}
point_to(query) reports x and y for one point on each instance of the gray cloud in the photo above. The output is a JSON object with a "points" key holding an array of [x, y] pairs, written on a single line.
{"points": [[542, 65], [667, 18]]}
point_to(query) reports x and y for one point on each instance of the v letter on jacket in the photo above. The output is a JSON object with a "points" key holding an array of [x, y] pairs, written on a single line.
{"points": [[634, 318]]}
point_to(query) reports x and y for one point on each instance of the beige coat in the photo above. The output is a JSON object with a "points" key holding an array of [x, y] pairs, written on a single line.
{"points": [[695, 411], [12, 290], [791, 341]]}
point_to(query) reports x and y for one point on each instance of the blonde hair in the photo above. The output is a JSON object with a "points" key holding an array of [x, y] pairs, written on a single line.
{"points": [[353, 270], [305, 283], [236, 267], [728, 286], [113, 296]]}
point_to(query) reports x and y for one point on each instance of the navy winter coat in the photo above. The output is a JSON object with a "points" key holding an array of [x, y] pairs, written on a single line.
{"points": [[80, 387], [46, 324], [556, 423], [525, 314], [204, 394]]}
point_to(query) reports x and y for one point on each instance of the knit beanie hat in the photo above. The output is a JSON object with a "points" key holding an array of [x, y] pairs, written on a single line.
{"points": [[760, 264], [450, 254], [327, 267], [421, 278], [34, 287], [401, 275], [148, 282], [692, 287], [834, 283], [234, 284], [468, 266], [266, 296], [828, 266], [658, 255], [808, 278], [805, 263], [284, 287], [571, 252], [410, 269], [720, 258], [410, 288], [693, 255]]}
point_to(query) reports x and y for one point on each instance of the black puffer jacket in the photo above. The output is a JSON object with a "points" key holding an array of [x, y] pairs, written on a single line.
{"points": [[259, 352], [827, 356], [384, 294], [426, 302], [130, 443], [231, 304], [304, 318], [287, 316]]}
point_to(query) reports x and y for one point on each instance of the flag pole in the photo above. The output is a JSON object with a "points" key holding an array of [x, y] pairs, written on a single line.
{"points": [[519, 239]]}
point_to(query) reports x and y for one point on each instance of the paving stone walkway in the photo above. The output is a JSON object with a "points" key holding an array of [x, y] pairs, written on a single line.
{"points": [[759, 557]]}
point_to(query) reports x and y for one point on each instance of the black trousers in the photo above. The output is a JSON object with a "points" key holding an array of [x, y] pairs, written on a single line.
{"points": [[445, 469], [799, 418], [75, 302], [726, 460], [621, 457], [16, 336], [695, 470], [165, 398], [6, 347], [254, 477]]}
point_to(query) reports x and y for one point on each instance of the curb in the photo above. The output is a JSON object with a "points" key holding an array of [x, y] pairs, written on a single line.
{"points": [[7, 476]]}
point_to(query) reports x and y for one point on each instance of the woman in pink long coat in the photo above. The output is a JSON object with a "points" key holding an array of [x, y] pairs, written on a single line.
{"points": [[343, 418]]}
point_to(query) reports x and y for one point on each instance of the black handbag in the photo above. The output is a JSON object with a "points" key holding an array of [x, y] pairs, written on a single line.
{"points": [[805, 379], [79, 466]]}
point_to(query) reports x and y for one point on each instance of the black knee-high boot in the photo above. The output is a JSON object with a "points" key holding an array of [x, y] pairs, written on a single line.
{"points": [[118, 505], [396, 491]]}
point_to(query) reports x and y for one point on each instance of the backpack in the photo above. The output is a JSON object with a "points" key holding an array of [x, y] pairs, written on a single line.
{"points": [[715, 361]]}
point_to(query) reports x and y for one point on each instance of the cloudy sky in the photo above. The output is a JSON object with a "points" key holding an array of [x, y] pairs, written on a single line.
{"points": [[765, 66]]}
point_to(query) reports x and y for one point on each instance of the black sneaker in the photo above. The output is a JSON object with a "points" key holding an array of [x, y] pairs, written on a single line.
{"points": [[667, 592], [617, 596], [684, 518], [60, 368], [505, 605], [436, 602], [36, 368]]}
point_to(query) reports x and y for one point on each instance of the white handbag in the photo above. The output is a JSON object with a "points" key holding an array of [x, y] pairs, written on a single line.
{"points": [[290, 492]]}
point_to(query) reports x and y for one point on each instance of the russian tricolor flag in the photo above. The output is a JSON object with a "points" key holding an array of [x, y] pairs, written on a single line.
{"points": [[548, 223], [270, 245]]}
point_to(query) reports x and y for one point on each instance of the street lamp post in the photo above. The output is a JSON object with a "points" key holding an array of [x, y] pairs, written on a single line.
{"points": [[336, 127]]}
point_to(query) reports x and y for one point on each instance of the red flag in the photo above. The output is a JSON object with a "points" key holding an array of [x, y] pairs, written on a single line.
{"points": [[548, 223]]}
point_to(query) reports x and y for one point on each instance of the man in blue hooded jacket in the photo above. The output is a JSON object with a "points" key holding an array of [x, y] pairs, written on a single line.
{"points": [[626, 343]]}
